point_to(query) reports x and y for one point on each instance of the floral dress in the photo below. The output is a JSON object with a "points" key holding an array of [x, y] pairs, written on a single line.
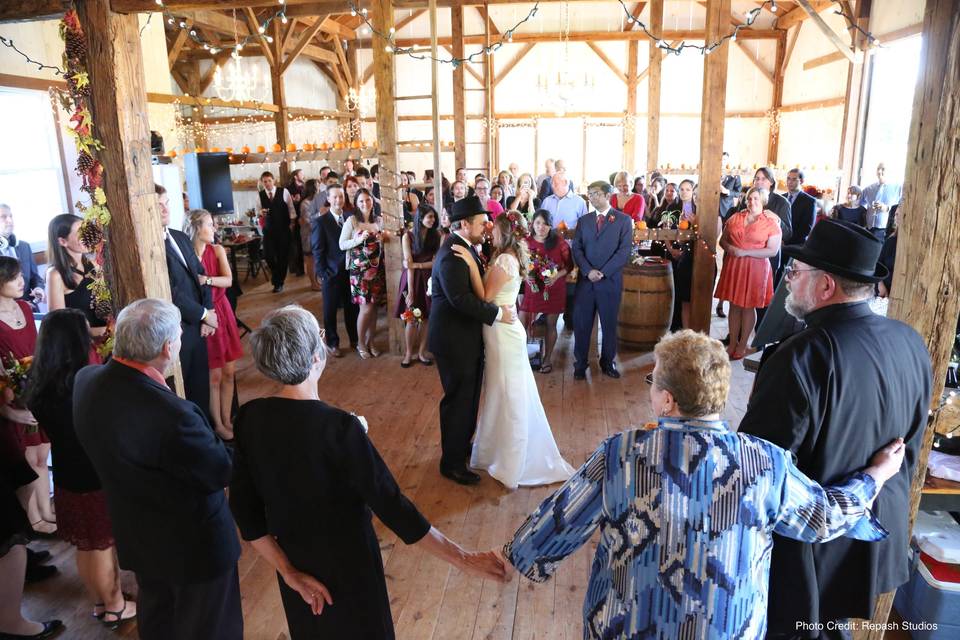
{"points": [[368, 278]]}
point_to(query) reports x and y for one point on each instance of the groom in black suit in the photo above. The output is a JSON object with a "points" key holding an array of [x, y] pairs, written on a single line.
{"points": [[455, 338]]}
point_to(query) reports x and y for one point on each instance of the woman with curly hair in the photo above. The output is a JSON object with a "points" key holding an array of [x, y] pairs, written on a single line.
{"points": [[362, 240], [513, 442]]}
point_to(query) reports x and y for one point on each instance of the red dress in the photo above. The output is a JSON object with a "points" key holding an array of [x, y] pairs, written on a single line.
{"points": [[20, 343], [744, 281], [224, 345], [556, 299], [634, 208]]}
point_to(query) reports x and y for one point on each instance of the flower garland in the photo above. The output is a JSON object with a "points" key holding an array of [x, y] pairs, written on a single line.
{"points": [[96, 216]]}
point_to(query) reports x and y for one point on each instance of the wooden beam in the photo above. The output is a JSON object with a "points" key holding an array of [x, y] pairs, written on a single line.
{"points": [[345, 68], [288, 36], [854, 115], [825, 29], [207, 79], [510, 65], [313, 52], [181, 81], [597, 36], [281, 117], [488, 106], [885, 38], [178, 44], [799, 14], [635, 14], [118, 102], [927, 273], [630, 126], [435, 108], [342, 87], [467, 65], [766, 73], [773, 146], [711, 146], [255, 26], [218, 22], [305, 37], [607, 61], [413, 16], [663, 54], [653, 71], [813, 104], [459, 98], [791, 43], [482, 10]]}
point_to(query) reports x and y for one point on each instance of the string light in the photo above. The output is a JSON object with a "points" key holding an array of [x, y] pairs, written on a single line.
{"points": [[7, 42], [853, 26]]}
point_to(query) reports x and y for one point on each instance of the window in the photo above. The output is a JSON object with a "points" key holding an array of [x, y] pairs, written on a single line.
{"points": [[893, 80], [31, 176]]}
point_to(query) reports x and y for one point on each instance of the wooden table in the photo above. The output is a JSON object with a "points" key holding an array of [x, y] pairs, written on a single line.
{"points": [[940, 495]]}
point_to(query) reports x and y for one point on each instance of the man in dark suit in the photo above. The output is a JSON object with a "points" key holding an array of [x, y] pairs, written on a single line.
{"points": [[277, 206], [163, 471], [455, 337], [193, 299], [11, 246], [803, 207], [849, 383], [601, 248], [331, 266]]}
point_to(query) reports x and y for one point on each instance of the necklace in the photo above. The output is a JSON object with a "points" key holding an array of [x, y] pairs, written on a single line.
{"points": [[14, 318]]}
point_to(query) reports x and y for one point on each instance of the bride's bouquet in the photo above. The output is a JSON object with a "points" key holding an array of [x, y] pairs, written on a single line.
{"points": [[412, 315], [542, 269]]}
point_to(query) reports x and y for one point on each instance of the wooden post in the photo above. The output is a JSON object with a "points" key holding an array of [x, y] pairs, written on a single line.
{"points": [[630, 124], [138, 263], [435, 108], [281, 118], [356, 130], [390, 205], [854, 116], [927, 274], [459, 109], [712, 117], [194, 84], [773, 149], [488, 97], [653, 87]]}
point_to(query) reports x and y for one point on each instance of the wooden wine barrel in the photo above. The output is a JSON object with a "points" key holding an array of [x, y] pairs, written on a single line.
{"points": [[647, 305]]}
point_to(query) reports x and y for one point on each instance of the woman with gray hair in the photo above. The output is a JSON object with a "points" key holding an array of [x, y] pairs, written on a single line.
{"points": [[305, 480]]}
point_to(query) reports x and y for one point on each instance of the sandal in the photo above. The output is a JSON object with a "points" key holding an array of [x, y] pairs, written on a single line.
{"points": [[364, 354], [98, 614], [546, 367], [425, 361], [113, 625], [373, 351], [406, 364]]}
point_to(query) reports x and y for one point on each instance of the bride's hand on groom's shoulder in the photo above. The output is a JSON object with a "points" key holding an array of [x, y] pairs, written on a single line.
{"points": [[464, 254]]}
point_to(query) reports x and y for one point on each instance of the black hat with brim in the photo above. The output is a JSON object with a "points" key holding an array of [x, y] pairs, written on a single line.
{"points": [[466, 208], [841, 248]]}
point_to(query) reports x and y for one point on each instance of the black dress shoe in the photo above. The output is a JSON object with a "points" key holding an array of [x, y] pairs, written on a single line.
{"points": [[39, 572], [579, 374], [278, 289], [50, 629], [460, 476], [610, 371]]}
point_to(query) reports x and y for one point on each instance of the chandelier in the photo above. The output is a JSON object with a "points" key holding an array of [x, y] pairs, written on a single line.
{"points": [[359, 101], [560, 88], [231, 82]]}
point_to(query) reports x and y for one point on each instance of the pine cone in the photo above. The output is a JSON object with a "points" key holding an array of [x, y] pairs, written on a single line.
{"points": [[76, 46], [76, 90], [103, 309], [85, 162], [91, 234]]}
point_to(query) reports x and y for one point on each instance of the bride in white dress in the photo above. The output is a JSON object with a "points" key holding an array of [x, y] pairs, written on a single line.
{"points": [[513, 443]]}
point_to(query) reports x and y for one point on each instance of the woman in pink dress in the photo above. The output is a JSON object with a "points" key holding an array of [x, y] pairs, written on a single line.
{"points": [[549, 249], [223, 345], [749, 239]]}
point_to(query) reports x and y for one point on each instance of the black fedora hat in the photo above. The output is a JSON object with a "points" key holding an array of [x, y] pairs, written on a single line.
{"points": [[842, 248], [466, 208]]}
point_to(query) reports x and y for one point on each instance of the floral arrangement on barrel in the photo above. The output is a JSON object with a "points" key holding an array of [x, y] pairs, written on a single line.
{"points": [[96, 215], [541, 273], [14, 373], [413, 315]]}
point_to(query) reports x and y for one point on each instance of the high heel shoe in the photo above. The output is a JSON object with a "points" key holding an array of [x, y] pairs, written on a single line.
{"points": [[373, 351], [364, 354]]}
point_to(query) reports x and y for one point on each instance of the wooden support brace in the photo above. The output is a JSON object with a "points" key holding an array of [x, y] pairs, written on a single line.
{"points": [[827, 31], [510, 65], [305, 37], [607, 61], [255, 26]]}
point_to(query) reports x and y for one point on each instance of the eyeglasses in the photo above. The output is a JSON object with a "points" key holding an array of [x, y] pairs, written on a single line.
{"points": [[790, 272], [595, 194]]}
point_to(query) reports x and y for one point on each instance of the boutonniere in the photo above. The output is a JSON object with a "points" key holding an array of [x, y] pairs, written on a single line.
{"points": [[610, 217]]}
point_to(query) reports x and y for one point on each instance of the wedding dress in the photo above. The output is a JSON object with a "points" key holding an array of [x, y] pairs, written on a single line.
{"points": [[513, 443]]}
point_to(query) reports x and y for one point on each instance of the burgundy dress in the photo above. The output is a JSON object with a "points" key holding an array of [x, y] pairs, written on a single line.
{"points": [[556, 295], [224, 345], [20, 343], [417, 283]]}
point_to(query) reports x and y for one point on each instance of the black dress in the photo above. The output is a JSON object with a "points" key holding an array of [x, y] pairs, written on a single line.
{"points": [[82, 298], [306, 473]]}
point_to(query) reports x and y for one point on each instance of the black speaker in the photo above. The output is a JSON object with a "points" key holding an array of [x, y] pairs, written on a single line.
{"points": [[208, 181]]}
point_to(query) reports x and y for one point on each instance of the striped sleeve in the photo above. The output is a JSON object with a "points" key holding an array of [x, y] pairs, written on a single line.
{"points": [[813, 513], [562, 523]]}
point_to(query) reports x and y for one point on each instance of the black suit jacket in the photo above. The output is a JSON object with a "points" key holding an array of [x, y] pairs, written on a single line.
{"points": [[163, 471], [781, 206], [457, 315], [188, 294], [803, 213], [328, 258], [833, 394], [31, 275]]}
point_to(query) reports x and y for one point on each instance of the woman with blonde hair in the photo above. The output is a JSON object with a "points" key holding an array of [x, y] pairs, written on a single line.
{"points": [[513, 442], [223, 345], [624, 199], [750, 238], [687, 510], [505, 180]]}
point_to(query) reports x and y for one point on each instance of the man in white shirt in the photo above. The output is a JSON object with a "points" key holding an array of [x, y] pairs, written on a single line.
{"points": [[879, 198], [280, 216]]}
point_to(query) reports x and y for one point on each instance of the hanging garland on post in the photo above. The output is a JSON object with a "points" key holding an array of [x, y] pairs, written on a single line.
{"points": [[96, 216]]}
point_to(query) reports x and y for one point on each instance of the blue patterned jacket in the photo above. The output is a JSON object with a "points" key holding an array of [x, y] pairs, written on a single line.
{"points": [[687, 512]]}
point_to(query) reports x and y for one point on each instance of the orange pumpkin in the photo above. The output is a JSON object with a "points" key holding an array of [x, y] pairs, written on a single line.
{"points": [[355, 144], [215, 150], [291, 147], [324, 146], [261, 148], [684, 225], [173, 153], [229, 149], [338, 146], [562, 226], [245, 149], [277, 148], [641, 224]]}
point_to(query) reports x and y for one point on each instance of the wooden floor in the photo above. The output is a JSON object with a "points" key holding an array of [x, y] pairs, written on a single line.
{"points": [[428, 598]]}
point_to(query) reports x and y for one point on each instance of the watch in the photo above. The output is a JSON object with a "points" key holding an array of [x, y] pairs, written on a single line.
{"points": [[209, 281]]}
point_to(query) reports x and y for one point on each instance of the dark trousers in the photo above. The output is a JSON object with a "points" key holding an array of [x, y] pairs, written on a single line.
{"points": [[296, 252], [881, 234], [195, 368], [200, 611], [336, 294], [461, 380], [276, 251], [594, 298], [568, 308]]}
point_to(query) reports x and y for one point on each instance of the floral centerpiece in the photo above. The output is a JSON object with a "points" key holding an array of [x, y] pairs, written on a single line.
{"points": [[412, 315]]}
